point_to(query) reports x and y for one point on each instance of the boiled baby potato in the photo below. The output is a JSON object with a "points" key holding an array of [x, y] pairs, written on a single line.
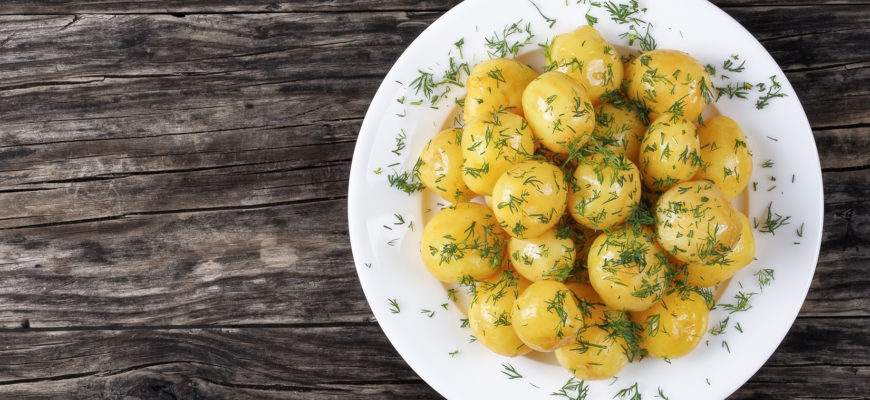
{"points": [[596, 352], [489, 315], [440, 166], [741, 255], [529, 198], [669, 153], [494, 85], [669, 81], [585, 56], [492, 143], [727, 161], [627, 268], [619, 130], [464, 240], [545, 316], [547, 256], [674, 325], [559, 111], [604, 191], [696, 223]]}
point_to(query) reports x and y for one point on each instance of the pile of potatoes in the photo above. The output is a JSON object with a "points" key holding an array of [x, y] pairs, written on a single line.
{"points": [[589, 203]]}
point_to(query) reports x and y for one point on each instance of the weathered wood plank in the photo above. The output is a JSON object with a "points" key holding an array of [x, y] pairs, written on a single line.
{"points": [[843, 148], [219, 6], [293, 357], [280, 264]]}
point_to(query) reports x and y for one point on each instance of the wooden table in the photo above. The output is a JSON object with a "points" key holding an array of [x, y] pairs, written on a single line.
{"points": [[173, 188]]}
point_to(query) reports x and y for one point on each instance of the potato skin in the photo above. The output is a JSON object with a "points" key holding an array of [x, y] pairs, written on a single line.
{"points": [[585, 56], [491, 144], [440, 166], [594, 353], [619, 130], [546, 316], [464, 240], [727, 160], [496, 84], [669, 153], [741, 255], [669, 81], [546, 256], [489, 314], [530, 198], [674, 325], [696, 223], [604, 191], [627, 268], [559, 111]]}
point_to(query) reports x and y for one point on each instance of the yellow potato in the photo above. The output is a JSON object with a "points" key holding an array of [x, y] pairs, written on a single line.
{"points": [[741, 255], [440, 166], [674, 325], [461, 241], [669, 153], [547, 256], [489, 314], [604, 191], [727, 161], [559, 111], [696, 223], [669, 81], [627, 268], [619, 130], [587, 57], [490, 145], [496, 84], [546, 316], [595, 353], [529, 198]]}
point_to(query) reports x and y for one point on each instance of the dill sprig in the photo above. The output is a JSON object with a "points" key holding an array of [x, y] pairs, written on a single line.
{"points": [[394, 306], [511, 372], [773, 221], [501, 46], [574, 389], [773, 91], [630, 393]]}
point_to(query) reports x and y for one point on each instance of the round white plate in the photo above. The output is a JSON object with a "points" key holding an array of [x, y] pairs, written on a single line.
{"points": [[386, 224]]}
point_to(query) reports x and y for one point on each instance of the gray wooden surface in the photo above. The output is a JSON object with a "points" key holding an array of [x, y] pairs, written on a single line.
{"points": [[173, 187]]}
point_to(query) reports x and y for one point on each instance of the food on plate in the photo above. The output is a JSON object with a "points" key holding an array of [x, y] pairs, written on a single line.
{"points": [[440, 166], [741, 255], [587, 57], [669, 81], [696, 223], [627, 268], [598, 233], [674, 325], [464, 240], [491, 143], [547, 256], [726, 159], [559, 111], [546, 316], [489, 313], [619, 129], [529, 198], [595, 353], [669, 153], [604, 191], [495, 85]]}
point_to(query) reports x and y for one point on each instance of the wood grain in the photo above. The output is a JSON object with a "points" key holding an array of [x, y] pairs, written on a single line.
{"points": [[173, 197]]}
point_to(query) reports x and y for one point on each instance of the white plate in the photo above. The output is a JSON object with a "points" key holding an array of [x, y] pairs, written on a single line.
{"points": [[387, 253]]}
